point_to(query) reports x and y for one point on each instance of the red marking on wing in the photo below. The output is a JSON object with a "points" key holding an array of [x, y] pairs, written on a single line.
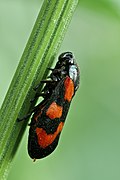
{"points": [[54, 111], [45, 139], [69, 89]]}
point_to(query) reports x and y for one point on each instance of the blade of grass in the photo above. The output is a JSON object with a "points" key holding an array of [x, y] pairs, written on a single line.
{"points": [[40, 51]]}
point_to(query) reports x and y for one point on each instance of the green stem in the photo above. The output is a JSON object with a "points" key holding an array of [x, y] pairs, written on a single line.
{"points": [[40, 51]]}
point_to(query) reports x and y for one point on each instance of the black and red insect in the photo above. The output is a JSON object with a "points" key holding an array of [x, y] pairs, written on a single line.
{"points": [[49, 116]]}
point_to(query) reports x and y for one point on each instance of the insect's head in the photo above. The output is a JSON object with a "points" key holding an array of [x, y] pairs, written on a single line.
{"points": [[66, 66], [65, 58], [67, 61]]}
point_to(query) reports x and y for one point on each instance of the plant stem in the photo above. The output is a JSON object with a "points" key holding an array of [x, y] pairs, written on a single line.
{"points": [[40, 51]]}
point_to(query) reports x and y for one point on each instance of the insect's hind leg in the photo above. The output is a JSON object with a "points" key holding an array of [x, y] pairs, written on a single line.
{"points": [[28, 115], [36, 108]]}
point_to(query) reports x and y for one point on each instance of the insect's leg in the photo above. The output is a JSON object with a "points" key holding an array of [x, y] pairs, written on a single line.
{"points": [[39, 106], [28, 115], [51, 69], [24, 118], [44, 92], [37, 96], [37, 86]]}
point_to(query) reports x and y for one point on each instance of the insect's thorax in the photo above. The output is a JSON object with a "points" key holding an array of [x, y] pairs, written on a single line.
{"points": [[60, 74]]}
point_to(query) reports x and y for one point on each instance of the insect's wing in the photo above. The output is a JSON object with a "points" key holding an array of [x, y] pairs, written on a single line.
{"points": [[44, 135]]}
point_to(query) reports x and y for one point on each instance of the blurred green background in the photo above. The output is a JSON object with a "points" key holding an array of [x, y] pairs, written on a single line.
{"points": [[89, 148]]}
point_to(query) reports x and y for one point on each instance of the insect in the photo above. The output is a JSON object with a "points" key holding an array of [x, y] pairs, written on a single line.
{"points": [[49, 116]]}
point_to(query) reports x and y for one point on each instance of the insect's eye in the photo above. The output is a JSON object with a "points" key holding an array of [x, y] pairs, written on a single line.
{"points": [[66, 55], [70, 56]]}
